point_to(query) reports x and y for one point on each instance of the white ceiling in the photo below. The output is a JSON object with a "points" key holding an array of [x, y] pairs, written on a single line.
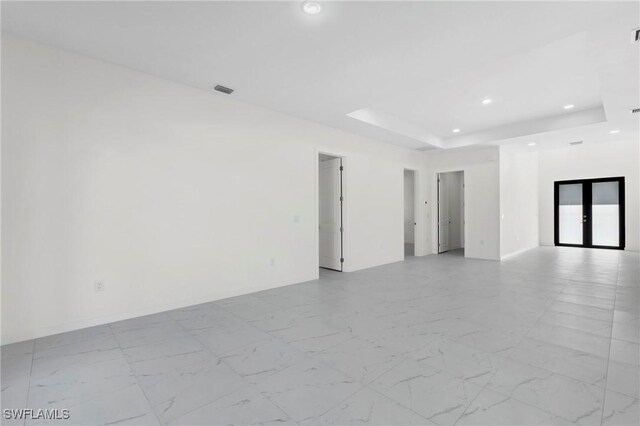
{"points": [[406, 73]]}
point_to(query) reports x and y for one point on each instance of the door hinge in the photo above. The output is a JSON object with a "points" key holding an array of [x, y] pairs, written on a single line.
{"points": [[341, 229], [341, 168], [342, 260], [341, 198]]}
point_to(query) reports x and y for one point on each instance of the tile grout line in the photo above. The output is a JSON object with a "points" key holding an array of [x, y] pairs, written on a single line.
{"points": [[294, 364], [33, 355], [568, 282], [135, 376], [613, 313], [509, 357], [108, 325], [248, 384], [206, 349], [401, 405], [363, 386]]}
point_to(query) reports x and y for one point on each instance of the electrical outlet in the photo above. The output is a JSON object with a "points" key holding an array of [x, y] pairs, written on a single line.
{"points": [[98, 286]]}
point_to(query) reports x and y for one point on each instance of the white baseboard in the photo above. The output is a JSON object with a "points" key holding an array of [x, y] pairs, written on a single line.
{"points": [[154, 309], [357, 267], [516, 253]]}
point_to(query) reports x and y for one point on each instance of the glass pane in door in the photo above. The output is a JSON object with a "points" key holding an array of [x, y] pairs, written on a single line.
{"points": [[605, 214], [570, 213]]}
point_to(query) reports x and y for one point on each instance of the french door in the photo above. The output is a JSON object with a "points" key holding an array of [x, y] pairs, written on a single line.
{"points": [[590, 213]]}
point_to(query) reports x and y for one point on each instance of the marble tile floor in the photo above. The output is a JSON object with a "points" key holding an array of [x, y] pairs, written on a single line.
{"points": [[548, 337]]}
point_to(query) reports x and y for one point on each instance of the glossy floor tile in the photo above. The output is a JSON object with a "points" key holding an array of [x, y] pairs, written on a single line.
{"points": [[549, 337]]}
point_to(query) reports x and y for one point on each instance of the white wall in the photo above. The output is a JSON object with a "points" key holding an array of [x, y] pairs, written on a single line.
{"points": [[518, 200], [172, 196], [409, 207], [588, 161], [482, 198]]}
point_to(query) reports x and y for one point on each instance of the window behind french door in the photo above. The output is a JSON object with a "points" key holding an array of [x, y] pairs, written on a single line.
{"points": [[590, 213]]}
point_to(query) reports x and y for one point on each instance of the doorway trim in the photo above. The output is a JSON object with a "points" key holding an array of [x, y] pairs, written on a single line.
{"points": [[587, 229], [346, 264], [438, 213], [463, 218], [416, 208]]}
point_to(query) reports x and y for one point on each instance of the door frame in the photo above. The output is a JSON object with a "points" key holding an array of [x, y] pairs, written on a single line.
{"points": [[416, 210], [463, 216], [587, 227], [344, 244], [438, 211]]}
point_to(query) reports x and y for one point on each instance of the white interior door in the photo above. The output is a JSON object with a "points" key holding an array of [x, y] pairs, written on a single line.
{"points": [[330, 192], [444, 220]]}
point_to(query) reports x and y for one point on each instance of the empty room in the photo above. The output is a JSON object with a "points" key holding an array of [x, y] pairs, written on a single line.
{"points": [[320, 212]]}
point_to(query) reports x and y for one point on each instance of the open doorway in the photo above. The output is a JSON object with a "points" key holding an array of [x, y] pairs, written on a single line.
{"points": [[409, 213], [330, 212], [451, 212]]}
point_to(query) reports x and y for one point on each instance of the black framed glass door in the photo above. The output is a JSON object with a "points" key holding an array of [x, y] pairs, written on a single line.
{"points": [[590, 213]]}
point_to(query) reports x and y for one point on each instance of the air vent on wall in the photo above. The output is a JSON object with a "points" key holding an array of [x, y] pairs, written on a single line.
{"points": [[223, 89], [635, 35], [575, 143]]}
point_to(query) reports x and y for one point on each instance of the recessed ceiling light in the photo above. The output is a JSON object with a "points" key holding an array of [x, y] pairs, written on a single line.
{"points": [[487, 101], [615, 131], [568, 106], [456, 130], [311, 7], [531, 144]]}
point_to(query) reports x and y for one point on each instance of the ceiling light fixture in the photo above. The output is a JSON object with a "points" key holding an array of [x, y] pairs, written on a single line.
{"points": [[487, 101], [531, 144], [311, 7], [456, 130], [615, 131], [568, 106]]}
